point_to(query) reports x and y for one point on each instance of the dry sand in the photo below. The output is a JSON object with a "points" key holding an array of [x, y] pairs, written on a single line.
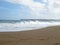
{"points": [[45, 36]]}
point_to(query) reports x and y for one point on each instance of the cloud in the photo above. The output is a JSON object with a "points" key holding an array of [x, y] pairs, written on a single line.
{"points": [[54, 8], [41, 10], [29, 3], [34, 7]]}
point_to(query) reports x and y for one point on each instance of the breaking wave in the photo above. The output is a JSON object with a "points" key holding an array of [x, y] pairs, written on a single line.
{"points": [[26, 25]]}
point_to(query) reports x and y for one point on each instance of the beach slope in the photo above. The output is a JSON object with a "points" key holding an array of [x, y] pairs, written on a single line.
{"points": [[45, 36]]}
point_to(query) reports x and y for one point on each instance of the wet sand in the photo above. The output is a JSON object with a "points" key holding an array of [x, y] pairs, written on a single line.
{"points": [[45, 36]]}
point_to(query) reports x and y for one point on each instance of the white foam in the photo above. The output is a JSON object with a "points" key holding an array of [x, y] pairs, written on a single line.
{"points": [[21, 26]]}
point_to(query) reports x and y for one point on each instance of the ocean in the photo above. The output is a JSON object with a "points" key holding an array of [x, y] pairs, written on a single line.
{"points": [[25, 24]]}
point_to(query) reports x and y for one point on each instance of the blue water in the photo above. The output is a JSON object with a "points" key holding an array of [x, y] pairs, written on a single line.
{"points": [[23, 25]]}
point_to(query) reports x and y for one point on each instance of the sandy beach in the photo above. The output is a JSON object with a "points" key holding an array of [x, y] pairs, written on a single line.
{"points": [[45, 36]]}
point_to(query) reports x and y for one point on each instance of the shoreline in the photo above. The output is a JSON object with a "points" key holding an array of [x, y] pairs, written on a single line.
{"points": [[44, 36]]}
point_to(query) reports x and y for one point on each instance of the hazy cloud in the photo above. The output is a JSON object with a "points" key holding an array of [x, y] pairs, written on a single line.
{"points": [[41, 10], [35, 7], [54, 8]]}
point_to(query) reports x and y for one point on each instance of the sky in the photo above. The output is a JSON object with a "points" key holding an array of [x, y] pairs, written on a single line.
{"points": [[29, 9]]}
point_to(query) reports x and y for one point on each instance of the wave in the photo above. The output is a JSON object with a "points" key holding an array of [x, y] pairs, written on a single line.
{"points": [[26, 25]]}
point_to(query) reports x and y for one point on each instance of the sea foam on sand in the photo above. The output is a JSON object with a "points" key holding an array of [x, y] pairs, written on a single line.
{"points": [[23, 26]]}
